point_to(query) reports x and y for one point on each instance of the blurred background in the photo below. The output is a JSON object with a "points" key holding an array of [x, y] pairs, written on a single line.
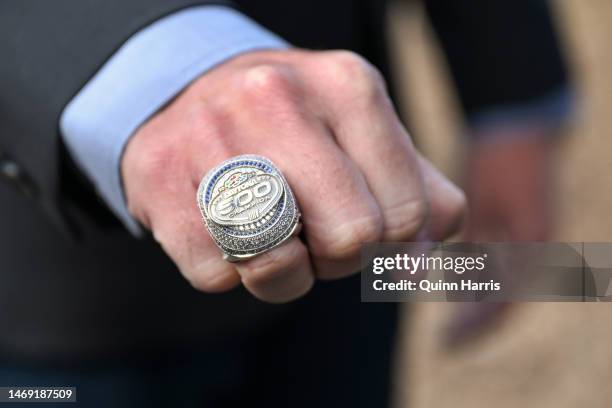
{"points": [[538, 354]]}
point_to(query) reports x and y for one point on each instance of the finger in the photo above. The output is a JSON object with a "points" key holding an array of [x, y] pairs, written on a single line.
{"points": [[367, 129], [279, 275], [447, 203], [177, 225], [339, 213]]}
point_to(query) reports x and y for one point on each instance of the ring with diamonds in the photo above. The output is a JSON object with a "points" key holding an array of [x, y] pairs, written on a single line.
{"points": [[247, 207]]}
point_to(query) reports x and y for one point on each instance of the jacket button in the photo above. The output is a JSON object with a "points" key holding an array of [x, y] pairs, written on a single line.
{"points": [[14, 175]]}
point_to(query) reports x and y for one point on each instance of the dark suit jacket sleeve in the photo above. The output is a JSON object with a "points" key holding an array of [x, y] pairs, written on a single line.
{"points": [[49, 50], [500, 53]]}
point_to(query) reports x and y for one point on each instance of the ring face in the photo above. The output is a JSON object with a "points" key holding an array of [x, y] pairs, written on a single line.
{"points": [[247, 206]]}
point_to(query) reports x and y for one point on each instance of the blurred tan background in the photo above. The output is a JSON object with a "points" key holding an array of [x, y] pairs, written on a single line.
{"points": [[542, 354]]}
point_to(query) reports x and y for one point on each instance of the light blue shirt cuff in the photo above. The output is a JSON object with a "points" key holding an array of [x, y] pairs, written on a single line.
{"points": [[152, 67]]}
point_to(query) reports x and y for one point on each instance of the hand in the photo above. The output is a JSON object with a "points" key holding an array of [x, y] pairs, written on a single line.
{"points": [[510, 186], [324, 118]]}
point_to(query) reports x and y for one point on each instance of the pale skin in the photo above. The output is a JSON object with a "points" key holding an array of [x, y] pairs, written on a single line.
{"points": [[325, 119]]}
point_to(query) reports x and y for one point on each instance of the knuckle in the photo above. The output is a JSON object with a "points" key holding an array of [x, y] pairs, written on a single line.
{"points": [[405, 220], [346, 240], [358, 77], [350, 63], [272, 265], [269, 82]]}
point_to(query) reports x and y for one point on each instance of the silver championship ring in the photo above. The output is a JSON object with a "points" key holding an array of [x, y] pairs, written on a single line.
{"points": [[247, 207]]}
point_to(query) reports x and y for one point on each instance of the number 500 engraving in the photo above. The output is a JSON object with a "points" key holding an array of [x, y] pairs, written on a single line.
{"points": [[243, 198], [248, 205]]}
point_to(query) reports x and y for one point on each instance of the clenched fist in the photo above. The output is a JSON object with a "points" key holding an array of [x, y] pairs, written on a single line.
{"points": [[325, 119]]}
